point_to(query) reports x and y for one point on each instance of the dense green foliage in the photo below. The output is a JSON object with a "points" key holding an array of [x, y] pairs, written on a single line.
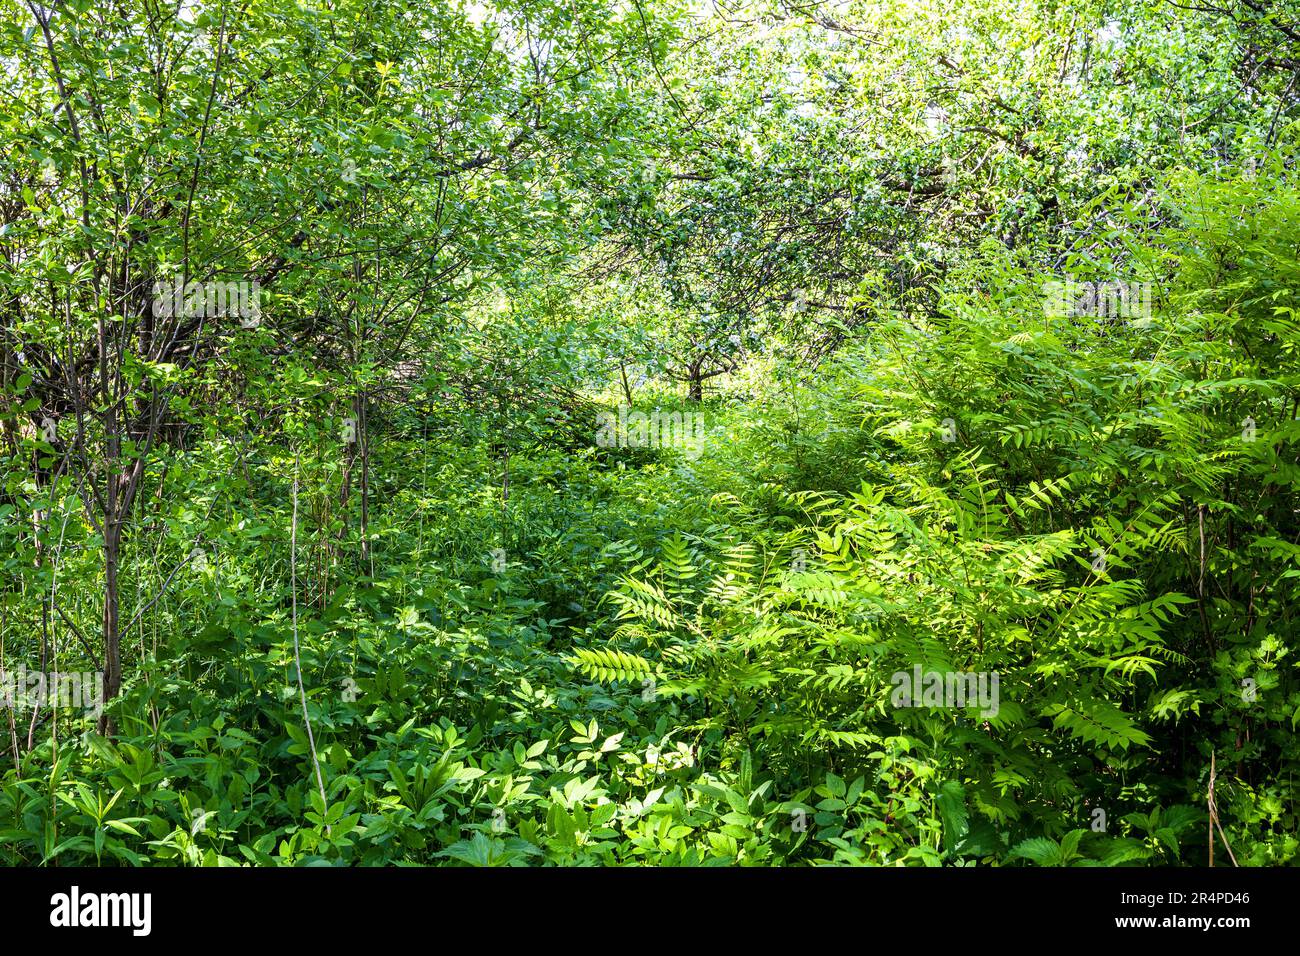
{"points": [[385, 573]]}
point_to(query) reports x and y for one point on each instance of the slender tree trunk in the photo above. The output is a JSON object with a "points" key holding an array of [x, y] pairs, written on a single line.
{"points": [[363, 437], [627, 391], [112, 637], [697, 386]]}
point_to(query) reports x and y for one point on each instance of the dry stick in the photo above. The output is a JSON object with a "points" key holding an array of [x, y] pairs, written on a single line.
{"points": [[1209, 806], [54, 586], [1223, 836], [54, 595], [1214, 819], [7, 703], [297, 658], [367, 552]]}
